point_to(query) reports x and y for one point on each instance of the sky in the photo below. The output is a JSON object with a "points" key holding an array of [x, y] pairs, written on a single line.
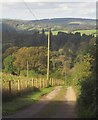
{"points": [[47, 9]]}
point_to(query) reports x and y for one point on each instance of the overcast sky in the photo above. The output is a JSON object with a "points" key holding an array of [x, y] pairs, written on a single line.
{"points": [[43, 9]]}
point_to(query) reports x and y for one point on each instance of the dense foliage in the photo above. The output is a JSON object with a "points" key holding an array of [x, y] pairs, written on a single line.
{"points": [[60, 40], [63, 47], [83, 77]]}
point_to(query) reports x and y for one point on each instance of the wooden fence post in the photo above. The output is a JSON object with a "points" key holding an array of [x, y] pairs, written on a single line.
{"points": [[32, 82], [43, 83], [59, 82], [52, 81], [40, 83], [10, 88], [63, 82], [27, 83], [36, 83], [46, 83], [19, 86], [56, 82]]}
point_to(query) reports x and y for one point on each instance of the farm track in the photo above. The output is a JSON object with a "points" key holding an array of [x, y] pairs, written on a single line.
{"points": [[67, 108], [56, 104]]}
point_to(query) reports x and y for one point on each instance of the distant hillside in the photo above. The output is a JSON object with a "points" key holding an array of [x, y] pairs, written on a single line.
{"points": [[7, 28], [23, 33], [68, 20], [55, 24]]}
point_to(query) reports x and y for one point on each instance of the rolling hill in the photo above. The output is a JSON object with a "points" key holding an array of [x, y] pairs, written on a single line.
{"points": [[69, 24]]}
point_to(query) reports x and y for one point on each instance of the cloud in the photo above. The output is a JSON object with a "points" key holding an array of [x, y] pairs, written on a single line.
{"points": [[49, 10], [2, 1]]}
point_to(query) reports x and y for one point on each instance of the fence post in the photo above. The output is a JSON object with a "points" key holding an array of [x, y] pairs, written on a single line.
{"points": [[27, 83], [19, 86], [56, 81], [32, 82], [36, 83], [59, 82], [46, 83], [52, 81], [10, 88], [62, 82], [43, 83], [40, 83]]}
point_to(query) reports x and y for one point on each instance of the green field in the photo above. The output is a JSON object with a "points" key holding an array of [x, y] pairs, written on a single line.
{"points": [[22, 27], [75, 23], [87, 32], [56, 32]]}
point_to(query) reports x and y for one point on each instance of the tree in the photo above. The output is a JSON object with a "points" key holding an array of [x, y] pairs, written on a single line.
{"points": [[36, 57], [8, 64], [10, 51]]}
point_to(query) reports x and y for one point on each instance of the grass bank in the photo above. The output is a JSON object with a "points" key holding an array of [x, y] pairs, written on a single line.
{"points": [[23, 101]]}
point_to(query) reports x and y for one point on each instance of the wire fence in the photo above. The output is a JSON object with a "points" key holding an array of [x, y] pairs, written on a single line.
{"points": [[17, 86]]}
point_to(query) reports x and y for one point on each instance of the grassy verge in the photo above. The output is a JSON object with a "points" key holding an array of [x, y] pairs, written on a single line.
{"points": [[21, 102]]}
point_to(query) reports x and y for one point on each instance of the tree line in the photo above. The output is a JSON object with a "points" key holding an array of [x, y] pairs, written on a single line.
{"points": [[40, 39]]}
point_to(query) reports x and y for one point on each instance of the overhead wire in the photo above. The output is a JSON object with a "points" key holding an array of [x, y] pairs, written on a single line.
{"points": [[29, 10], [32, 13]]}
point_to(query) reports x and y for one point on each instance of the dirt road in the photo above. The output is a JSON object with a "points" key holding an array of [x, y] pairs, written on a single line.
{"points": [[37, 107], [60, 103], [67, 108]]}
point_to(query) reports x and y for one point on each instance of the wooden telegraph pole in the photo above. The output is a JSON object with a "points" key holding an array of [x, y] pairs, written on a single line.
{"points": [[48, 55]]}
